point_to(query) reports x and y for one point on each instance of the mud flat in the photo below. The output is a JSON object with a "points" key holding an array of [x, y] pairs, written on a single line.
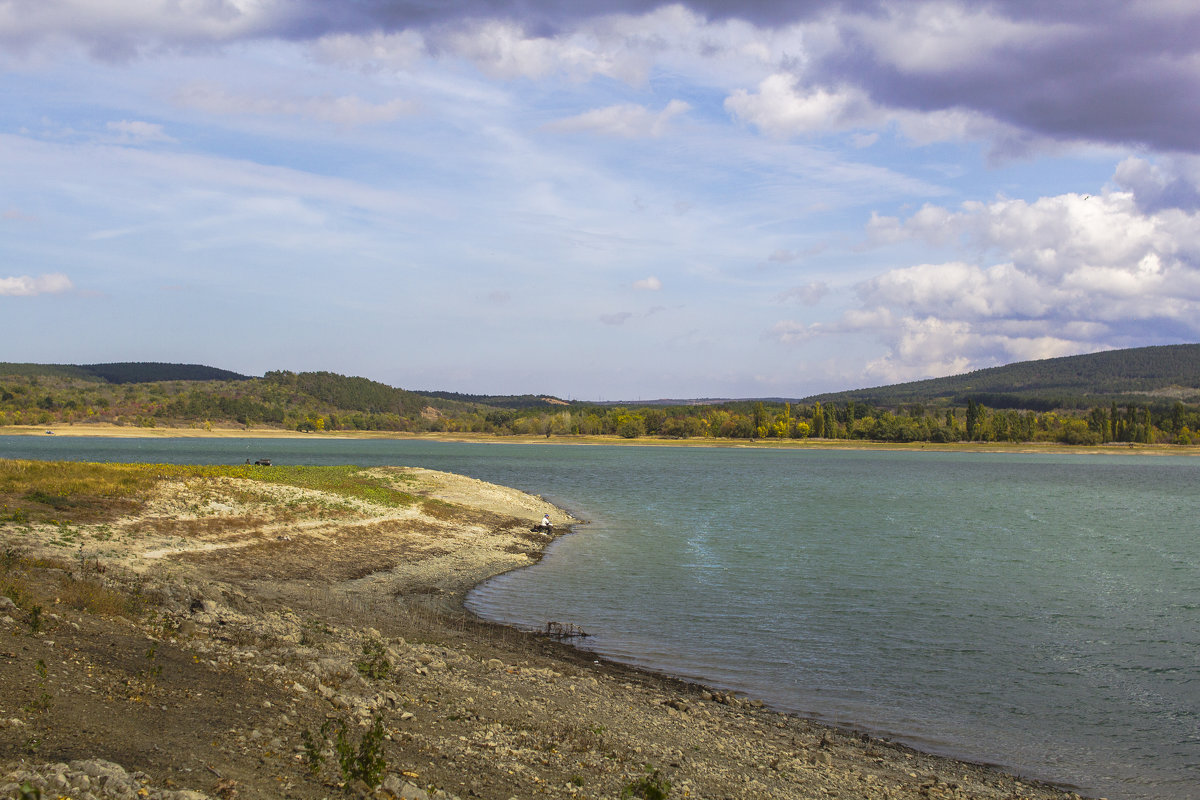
{"points": [[234, 638]]}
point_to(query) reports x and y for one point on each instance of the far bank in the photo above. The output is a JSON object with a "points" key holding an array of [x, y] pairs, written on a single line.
{"points": [[266, 433]]}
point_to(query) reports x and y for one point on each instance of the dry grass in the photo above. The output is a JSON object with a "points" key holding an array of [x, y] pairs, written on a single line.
{"points": [[37, 583], [205, 527], [93, 597], [71, 491]]}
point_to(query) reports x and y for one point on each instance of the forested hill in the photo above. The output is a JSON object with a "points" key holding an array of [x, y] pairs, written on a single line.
{"points": [[1148, 395], [500, 401], [1170, 372], [189, 395], [123, 372]]}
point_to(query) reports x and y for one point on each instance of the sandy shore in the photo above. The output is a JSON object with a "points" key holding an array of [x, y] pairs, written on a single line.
{"points": [[278, 622]]}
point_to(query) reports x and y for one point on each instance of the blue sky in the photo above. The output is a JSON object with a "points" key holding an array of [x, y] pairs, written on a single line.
{"points": [[629, 202]]}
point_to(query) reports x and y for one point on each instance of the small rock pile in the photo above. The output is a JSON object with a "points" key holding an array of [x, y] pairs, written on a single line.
{"points": [[93, 779], [96, 779]]}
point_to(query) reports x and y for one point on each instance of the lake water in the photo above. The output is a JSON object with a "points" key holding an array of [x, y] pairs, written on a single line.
{"points": [[1039, 612]]}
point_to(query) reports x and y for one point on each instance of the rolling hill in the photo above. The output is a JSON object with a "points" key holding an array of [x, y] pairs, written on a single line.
{"points": [[1169, 372], [1139, 395], [123, 372]]}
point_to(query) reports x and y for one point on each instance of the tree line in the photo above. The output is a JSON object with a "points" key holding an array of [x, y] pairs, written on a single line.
{"points": [[330, 402], [1147, 424]]}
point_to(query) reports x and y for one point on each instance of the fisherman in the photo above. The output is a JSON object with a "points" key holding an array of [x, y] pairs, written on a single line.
{"points": [[546, 525]]}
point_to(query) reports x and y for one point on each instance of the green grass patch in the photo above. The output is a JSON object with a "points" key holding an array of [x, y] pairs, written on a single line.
{"points": [[345, 481]]}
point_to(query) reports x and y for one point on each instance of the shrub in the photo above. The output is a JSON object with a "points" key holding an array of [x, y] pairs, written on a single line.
{"points": [[651, 786]]}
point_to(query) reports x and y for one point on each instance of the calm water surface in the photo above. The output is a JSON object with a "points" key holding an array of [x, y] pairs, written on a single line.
{"points": [[1040, 612]]}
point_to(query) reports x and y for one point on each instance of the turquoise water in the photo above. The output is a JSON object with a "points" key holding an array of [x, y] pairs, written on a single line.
{"points": [[1039, 612]]}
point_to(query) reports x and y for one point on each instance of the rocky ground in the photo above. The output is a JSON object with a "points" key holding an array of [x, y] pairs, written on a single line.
{"points": [[232, 639]]}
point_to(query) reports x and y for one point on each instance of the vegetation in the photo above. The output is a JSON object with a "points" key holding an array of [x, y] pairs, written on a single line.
{"points": [[124, 372], [362, 762], [374, 665], [651, 786], [1146, 395], [64, 492], [1170, 371]]}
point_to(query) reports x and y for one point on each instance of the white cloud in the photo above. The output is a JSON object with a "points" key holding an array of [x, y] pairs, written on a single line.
{"points": [[958, 290], [629, 47], [138, 132], [503, 49], [650, 284], [1051, 236], [780, 108], [1081, 272], [26, 285], [783, 107], [629, 121]]}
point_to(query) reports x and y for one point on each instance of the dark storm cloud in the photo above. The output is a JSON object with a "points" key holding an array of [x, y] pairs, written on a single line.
{"points": [[1110, 72], [1107, 71], [550, 15], [1157, 189]]}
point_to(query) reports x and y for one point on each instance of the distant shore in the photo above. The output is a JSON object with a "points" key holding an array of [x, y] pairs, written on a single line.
{"points": [[132, 432]]}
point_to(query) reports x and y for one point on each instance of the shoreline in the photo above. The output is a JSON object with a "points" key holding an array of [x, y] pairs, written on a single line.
{"points": [[84, 430], [683, 685], [855, 730], [296, 612]]}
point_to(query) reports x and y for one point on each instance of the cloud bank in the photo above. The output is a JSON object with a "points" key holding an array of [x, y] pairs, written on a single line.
{"points": [[1080, 273]]}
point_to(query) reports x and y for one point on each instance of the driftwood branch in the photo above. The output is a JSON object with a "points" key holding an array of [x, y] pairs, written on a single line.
{"points": [[557, 630]]}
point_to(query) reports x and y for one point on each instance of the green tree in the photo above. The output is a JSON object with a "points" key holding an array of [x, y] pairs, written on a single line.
{"points": [[630, 426], [760, 419], [818, 421], [975, 415]]}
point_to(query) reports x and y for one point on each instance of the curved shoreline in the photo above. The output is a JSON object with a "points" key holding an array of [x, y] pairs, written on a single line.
{"points": [[348, 611], [687, 686]]}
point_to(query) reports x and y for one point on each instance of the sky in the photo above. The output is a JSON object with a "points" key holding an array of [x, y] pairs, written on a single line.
{"points": [[613, 200]]}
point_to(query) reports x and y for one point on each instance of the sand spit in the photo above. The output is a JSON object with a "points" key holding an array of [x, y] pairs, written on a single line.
{"points": [[293, 644]]}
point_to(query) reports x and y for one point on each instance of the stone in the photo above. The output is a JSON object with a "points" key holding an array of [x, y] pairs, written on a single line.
{"points": [[410, 792], [392, 784]]}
